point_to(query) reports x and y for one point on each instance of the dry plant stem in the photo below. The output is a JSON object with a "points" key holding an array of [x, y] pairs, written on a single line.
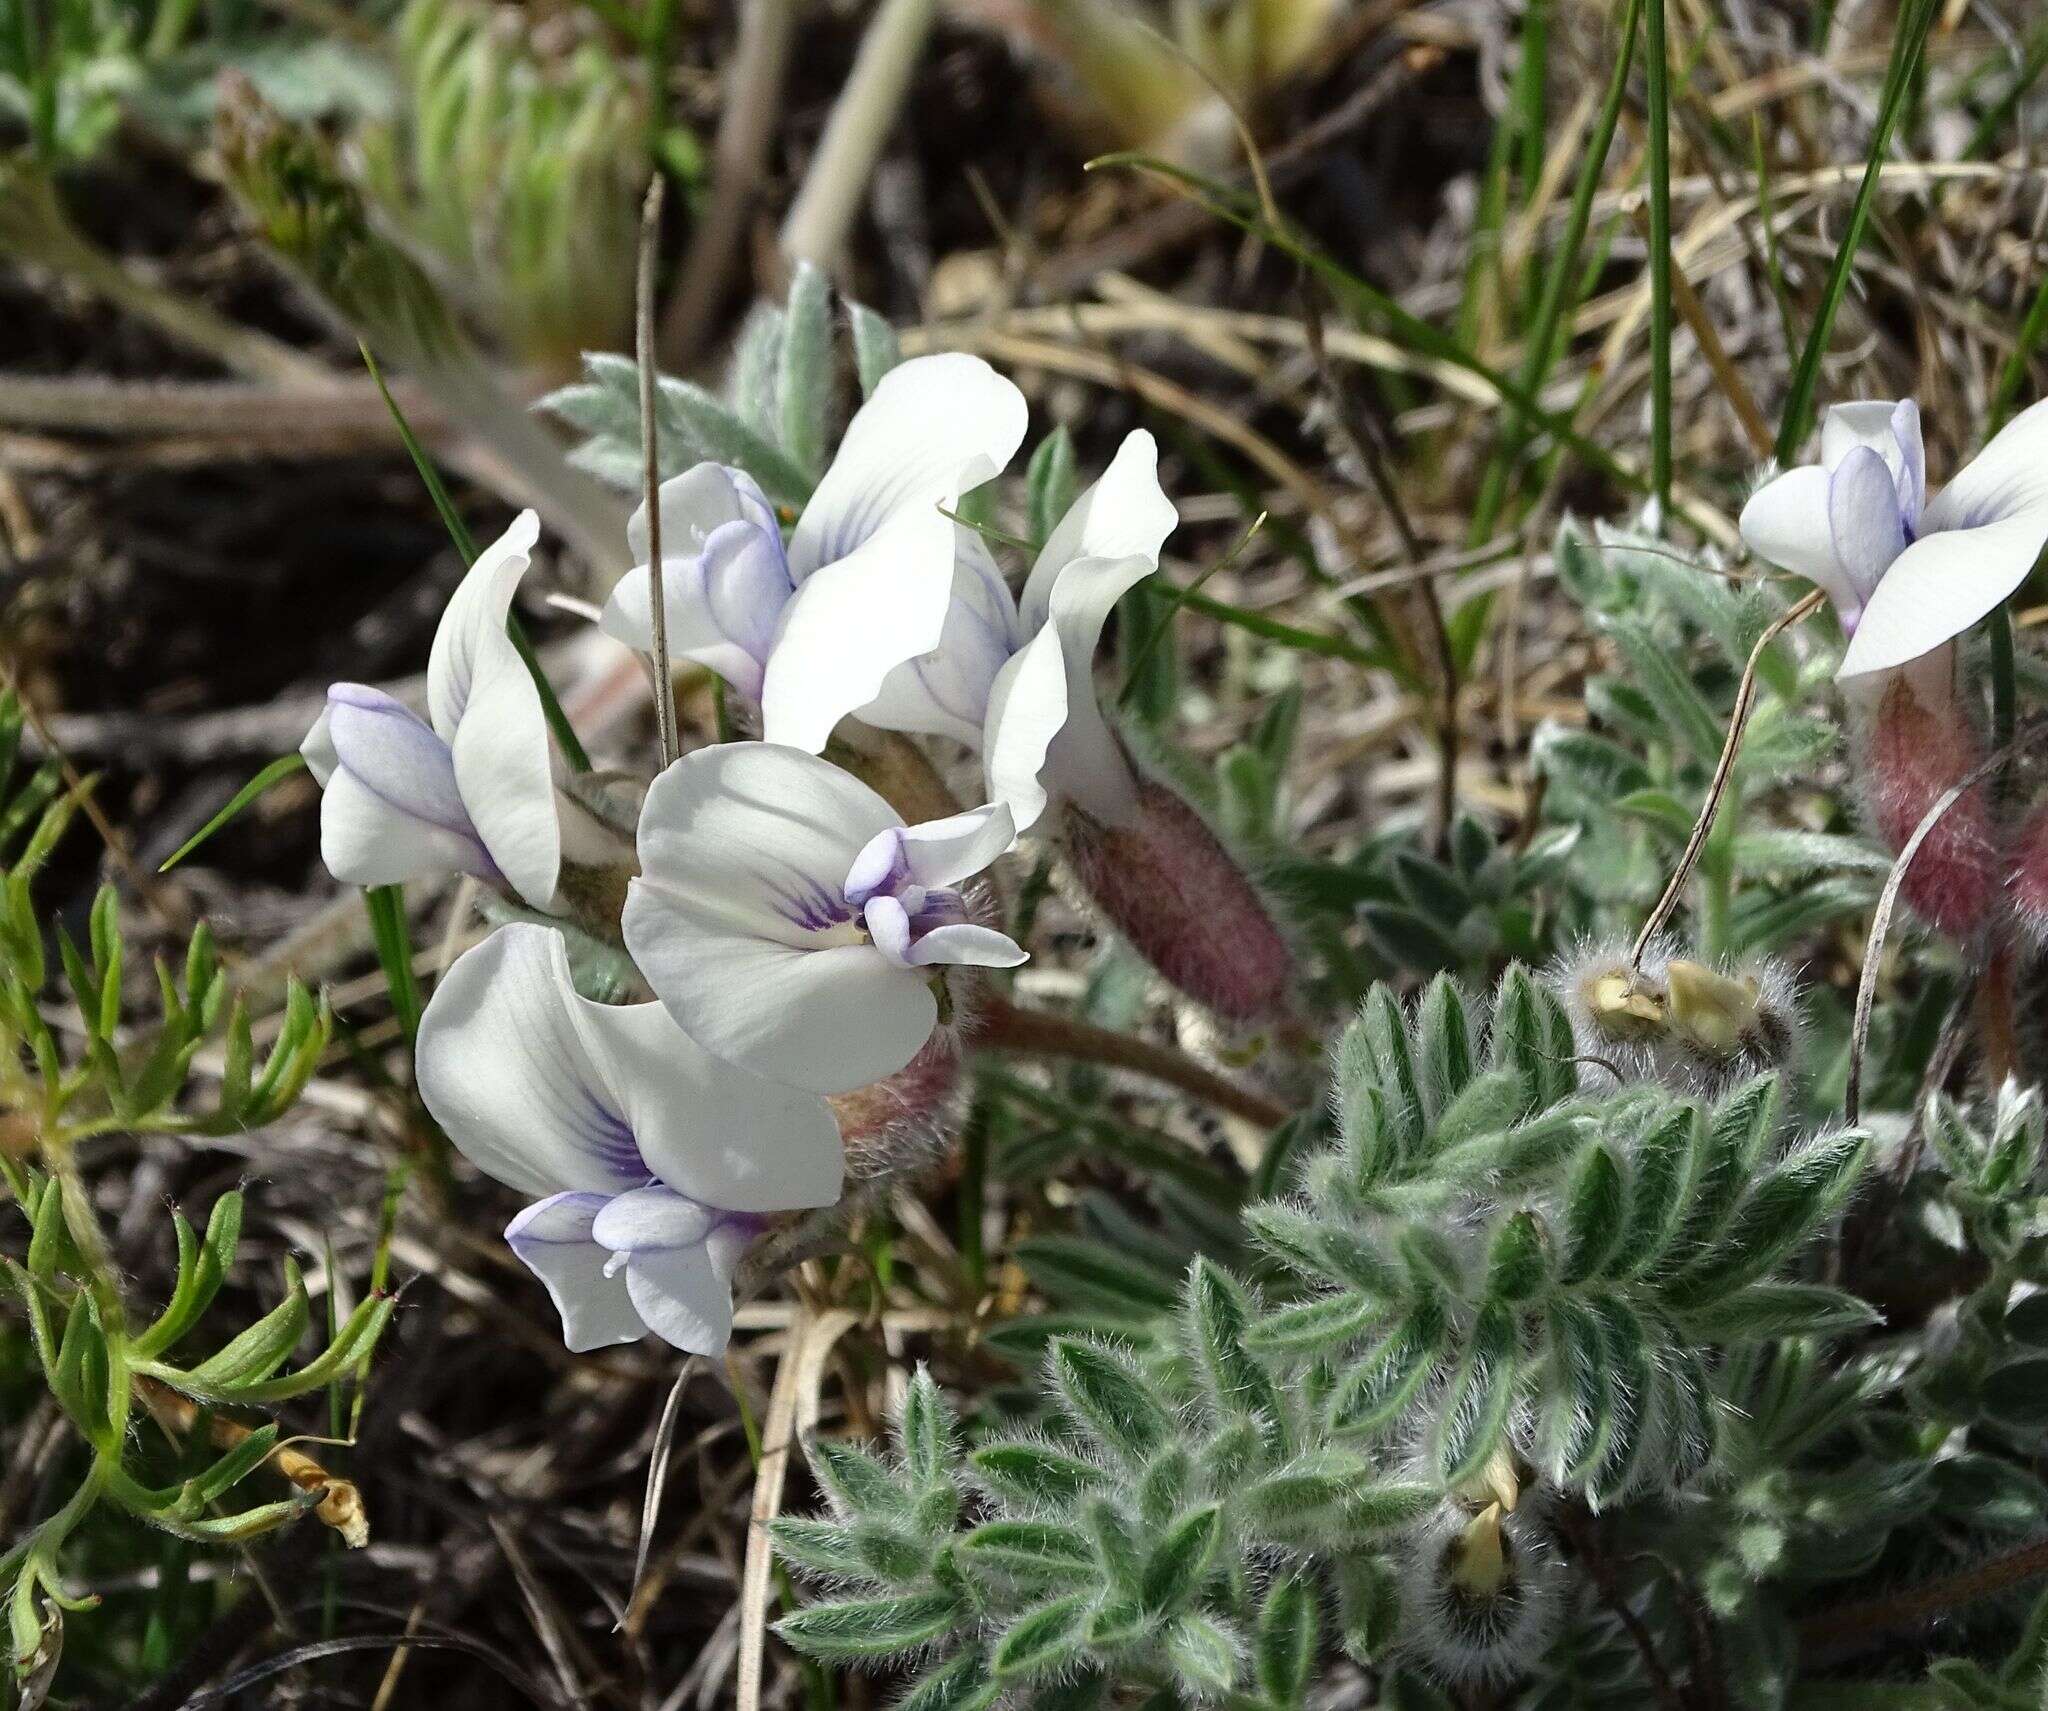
{"points": [[1888, 900], [1004, 1027], [1878, 1616], [1745, 702], [823, 213], [746, 130], [650, 442]]}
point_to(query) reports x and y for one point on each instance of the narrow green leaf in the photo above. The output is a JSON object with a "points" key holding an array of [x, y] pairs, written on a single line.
{"points": [[276, 772]]}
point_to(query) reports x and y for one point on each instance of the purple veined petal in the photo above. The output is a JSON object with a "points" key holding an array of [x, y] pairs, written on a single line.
{"points": [[505, 1068], [1786, 524], [1126, 514], [685, 1294], [737, 842], [826, 1020], [761, 836], [934, 428], [476, 613], [708, 1129], [969, 945], [945, 693], [390, 809], [552, 1240], [1864, 520], [1027, 709]]}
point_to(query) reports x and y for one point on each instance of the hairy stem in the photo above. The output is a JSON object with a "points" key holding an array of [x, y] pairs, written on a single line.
{"points": [[1034, 1033], [1848, 1623]]}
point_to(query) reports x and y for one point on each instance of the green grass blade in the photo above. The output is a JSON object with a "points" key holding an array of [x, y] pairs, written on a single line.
{"points": [[281, 768], [1916, 17], [2011, 377], [465, 544], [1540, 348], [386, 906], [1659, 76]]}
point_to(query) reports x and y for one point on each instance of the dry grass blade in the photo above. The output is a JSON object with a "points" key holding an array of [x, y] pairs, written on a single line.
{"points": [[810, 1343], [657, 1481], [664, 681], [1745, 701]]}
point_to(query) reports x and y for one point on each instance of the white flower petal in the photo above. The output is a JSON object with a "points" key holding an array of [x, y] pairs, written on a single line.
{"points": [[967, 945], [1786, 523], [724, 577], [945, 693], [1084, 761], [318, 749], [1126, 514], [365, 841], [757, 833], [475, 613], [655, 1217], [693, 504], [944, 852], [2007, 479], [1941, 585], [740, 923], [505, 769], [505, 1068], [826, 1020], [685, 1294], [934, 428], [1864, 520], [552, 1240], [707, 1128], [853, 622], [888, 924], [1027, 708], [1869, 422]]}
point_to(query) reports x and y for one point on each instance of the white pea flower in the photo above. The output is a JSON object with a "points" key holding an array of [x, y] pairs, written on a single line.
{"points": [[793, 924], [1014, 678], [811, 631], [1905, 573], [469, 789], [655, 1163]]}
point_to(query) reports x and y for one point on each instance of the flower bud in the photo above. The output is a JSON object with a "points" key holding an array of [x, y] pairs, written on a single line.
{"points": [[1913, 742], [1165, 881]]}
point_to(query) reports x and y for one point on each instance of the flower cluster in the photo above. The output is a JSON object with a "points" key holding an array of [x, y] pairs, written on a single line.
{"points": [[1908, 576], [799, 941]]}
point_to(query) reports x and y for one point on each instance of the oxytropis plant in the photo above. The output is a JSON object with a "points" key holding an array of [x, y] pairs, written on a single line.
{"points": [[801, 918], [1510, 1296]]}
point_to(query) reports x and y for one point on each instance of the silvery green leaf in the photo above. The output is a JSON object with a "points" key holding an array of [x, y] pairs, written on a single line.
{"points": [[803, 385], [756, 363], [869, 1627], [875, 349], [1105, 1393]]}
